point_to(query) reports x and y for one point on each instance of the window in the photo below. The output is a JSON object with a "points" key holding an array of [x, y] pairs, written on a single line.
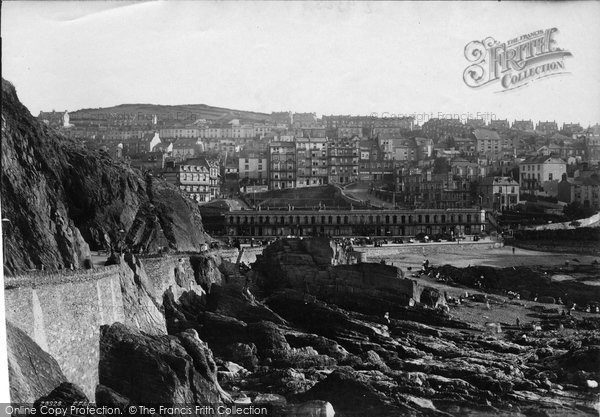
{"points": [[550, 177]]}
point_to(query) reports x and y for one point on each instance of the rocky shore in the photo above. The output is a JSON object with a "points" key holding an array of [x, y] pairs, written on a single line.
{"points": [[304, 334]]}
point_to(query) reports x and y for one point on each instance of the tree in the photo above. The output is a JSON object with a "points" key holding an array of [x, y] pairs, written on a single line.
{"points": [[575, 210], [441, 166]]}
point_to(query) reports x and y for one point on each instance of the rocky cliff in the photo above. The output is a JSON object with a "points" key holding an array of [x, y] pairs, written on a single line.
{"points": [[59, 199]]}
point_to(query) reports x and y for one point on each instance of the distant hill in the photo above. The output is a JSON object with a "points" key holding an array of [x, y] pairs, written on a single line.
{"points": [[182, 111]]}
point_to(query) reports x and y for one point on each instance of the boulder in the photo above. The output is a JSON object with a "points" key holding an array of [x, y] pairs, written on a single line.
{"points": [[174, 369], [352, 394], [66, 394], [32, 372], [243, 353], [106, 396], [269, 339]]}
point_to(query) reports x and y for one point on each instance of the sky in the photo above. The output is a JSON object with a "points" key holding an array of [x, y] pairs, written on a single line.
{"points": [[355, 58]]}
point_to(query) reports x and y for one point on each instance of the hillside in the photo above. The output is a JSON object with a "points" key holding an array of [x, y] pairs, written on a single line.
{"points": [[60, 200], [183, 111]]}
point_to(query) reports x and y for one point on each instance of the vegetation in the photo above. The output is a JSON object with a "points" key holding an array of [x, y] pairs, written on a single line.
{"points": [[441, 166], [575, 210]]}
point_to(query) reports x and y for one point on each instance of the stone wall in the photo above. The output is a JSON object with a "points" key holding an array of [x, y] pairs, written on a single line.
{"points": [[64, 318], [429, 249], [63, 312]]}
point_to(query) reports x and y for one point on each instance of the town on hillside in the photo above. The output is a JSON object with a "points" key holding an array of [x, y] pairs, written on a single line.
{"points": [[520, 172]]}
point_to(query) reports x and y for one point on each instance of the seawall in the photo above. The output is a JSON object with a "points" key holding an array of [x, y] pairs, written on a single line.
{"points": [[62, 312], [431, 249], [64, 318]]}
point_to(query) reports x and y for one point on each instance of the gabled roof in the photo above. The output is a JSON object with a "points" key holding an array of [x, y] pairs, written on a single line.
{"points": [[542, 160]]}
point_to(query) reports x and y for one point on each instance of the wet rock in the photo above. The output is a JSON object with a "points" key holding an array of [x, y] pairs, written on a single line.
{"points": [[270, 399], [322, 344], [352, 395], [314, 408], [419, 402], [242, 353]]}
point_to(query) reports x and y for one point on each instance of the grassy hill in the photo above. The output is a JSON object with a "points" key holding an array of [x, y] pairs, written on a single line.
{"points": [[183, 111]]}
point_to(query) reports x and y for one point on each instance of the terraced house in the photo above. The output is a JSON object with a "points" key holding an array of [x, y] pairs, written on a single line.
{"points": [[311, 162], [282, 165], [197, 178], [343, 157]]}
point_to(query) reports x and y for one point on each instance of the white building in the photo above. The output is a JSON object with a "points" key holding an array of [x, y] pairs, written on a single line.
{"points": [[538, 172]]}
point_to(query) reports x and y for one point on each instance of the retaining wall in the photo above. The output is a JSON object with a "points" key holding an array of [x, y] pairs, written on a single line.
{"points": [[593, 221], [64, 317], [430, 248]]}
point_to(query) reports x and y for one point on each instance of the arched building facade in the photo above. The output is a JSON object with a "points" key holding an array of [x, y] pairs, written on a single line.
{"points": [[275, 223]]}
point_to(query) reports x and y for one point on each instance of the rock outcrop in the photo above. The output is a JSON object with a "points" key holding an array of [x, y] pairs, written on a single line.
{"points": [[32, 372], [149, 369], [59, 199], [318, 266], [141, 309]]}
